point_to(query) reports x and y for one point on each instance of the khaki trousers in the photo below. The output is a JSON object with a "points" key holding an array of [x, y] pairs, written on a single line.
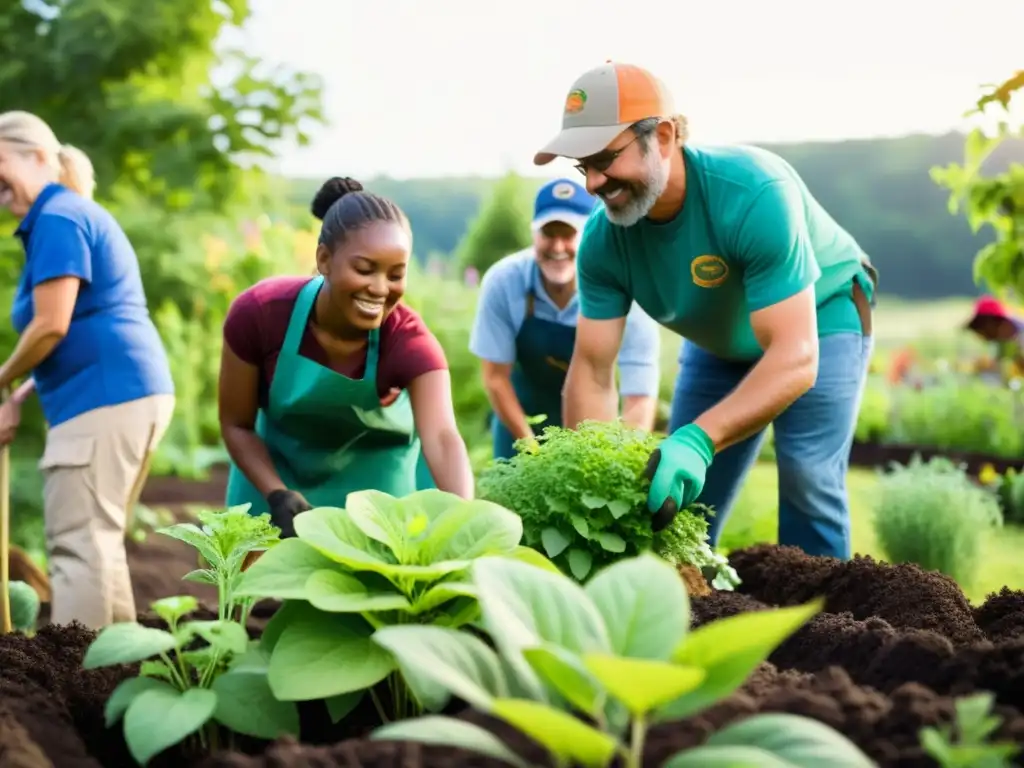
{"points": [[94, 467]]}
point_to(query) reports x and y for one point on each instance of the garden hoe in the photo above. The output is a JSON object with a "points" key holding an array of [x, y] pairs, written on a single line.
{"points": [[5, 532]]}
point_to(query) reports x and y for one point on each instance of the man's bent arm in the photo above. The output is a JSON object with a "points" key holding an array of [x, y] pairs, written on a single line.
{"points": [[639, 411], [590, 383], [788, 334], [502, 396]]}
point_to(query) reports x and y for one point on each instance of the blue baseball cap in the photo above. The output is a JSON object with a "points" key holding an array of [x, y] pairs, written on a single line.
{"points": [[565, 201]]}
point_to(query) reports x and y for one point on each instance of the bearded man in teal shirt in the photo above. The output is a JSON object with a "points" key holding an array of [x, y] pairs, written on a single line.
{"points": [[729, 249]]}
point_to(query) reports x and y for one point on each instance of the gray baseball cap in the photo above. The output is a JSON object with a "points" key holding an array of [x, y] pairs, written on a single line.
{"points": [[601, 104]]}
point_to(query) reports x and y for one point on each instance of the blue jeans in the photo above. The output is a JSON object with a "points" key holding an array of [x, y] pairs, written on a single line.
{"points": [[812, 442]]}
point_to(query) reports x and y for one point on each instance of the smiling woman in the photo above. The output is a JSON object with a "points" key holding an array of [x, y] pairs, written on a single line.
{"points": [[328, 385], [89, 349]]}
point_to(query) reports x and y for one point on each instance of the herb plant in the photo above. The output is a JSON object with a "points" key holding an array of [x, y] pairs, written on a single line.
{"points": [[582, 496], [966, 744], [197, 678], [378, 562], [24, 607], [583, 671]]}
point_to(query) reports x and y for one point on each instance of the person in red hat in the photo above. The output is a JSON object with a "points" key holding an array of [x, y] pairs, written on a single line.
{"points": [[993, 322]]}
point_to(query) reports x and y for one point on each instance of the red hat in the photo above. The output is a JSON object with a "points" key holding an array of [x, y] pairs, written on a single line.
{"points": [[987, 306]]}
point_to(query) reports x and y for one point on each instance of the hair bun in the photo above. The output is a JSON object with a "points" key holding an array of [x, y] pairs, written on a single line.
{"points": [[331, 192]]}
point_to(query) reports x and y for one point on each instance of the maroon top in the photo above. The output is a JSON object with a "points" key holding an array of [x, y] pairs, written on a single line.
{"points": [[258, 319]]}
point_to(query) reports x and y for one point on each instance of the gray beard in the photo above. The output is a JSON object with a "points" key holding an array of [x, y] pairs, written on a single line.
{"points": [[644, 197]]}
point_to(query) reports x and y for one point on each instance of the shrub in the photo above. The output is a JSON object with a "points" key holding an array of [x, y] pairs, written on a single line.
{"points": [[933, 515], [582, 496]]}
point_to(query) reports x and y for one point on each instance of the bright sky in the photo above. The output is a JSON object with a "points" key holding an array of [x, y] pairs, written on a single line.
{"points": [[464, 87]]}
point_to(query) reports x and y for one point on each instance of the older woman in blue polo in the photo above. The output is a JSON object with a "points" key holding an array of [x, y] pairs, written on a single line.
{"points": [[525, 327]]}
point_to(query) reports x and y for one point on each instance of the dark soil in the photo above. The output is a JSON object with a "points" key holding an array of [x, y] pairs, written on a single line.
{"points": [[886, 658]]}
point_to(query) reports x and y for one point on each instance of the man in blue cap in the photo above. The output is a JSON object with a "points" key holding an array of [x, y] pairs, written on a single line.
{"points": [[525, 327]]}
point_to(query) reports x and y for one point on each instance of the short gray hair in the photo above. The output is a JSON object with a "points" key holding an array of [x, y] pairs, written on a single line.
{"points": [[645, 128]]}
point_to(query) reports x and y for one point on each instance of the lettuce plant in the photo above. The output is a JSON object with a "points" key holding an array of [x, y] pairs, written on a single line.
{"points": [[582, 496], [584, 671], [378, 562], [197, 678]]}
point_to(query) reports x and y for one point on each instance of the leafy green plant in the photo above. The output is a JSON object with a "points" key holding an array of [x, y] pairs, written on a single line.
{"points": [[584, 671], [379, 561], [24, 607], [197, 678], [965, 744], [932, 514], [1009, 490], [582, 496]]}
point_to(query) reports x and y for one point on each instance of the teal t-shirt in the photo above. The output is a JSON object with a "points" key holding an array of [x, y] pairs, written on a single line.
{"points": [[749, 235]]}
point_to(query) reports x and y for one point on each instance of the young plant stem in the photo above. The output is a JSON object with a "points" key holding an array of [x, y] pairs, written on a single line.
{"points": [[379, 707], [636, 742]]}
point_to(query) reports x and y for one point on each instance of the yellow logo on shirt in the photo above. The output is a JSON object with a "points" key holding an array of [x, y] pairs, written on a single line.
{"points": [[709, 271]]}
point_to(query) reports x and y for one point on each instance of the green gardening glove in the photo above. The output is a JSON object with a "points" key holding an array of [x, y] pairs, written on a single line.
{"points": [[676, 471]]}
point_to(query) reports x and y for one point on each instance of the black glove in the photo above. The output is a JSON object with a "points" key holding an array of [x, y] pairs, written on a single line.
{"points": [[284, 506], [669, 509]]}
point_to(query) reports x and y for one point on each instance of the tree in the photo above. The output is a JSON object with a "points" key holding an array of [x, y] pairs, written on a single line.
{"points": [[132, 84], [996, 200], [502, 227]]}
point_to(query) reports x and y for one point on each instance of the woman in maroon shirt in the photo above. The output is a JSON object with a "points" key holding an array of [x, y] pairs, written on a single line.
{"points": [[329, 384]]}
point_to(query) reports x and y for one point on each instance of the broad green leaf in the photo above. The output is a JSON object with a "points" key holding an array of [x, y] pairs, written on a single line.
{"points": [[618, 508], [471, 529], [339, 706], [438, 662], [449, 732], [725, 757], [325, 654], [281, 573], [533, 557], [289, 611], [384, 518], [126, 643], [440, 594], [338, 592], [593, 502], [554, 541], [226, 636], [524, 607], [193, 535], [162, 717], [798, 741], [332, 532], [561, 734], [730, 649], [157, 669], [246, 705], [567, 675], [610, 542], [170, 609], [580, 563], [581, 525], [644, 605], [642, 684], [125, 693]]}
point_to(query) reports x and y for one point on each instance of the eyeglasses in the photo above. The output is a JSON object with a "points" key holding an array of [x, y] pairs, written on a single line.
{"points": [[602, 161]]}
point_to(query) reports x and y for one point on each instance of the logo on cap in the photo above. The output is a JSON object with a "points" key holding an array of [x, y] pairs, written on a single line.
{"points": [[709, 271], [563, 191], [575, 100]]}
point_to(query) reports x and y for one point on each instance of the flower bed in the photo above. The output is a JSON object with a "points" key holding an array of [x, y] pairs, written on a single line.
{"points": [[883, 660]]}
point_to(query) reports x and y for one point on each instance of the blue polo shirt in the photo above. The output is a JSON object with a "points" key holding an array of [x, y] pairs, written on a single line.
{"points": [[112, 353], [502, 309]]}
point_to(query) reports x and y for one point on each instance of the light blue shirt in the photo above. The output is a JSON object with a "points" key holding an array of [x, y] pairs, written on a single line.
{"points": [[502, 309]]}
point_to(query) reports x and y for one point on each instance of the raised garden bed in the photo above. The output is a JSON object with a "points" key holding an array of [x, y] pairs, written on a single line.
{"points": [[892, 648]]}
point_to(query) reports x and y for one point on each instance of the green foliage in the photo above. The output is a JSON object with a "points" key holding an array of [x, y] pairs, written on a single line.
{"points": [[965, 744], [932, 514], [132, 83], [24, 601], [1009, 490], [582, 496], [996, 200], [584, 671], [197, 678], [379, 561], [501, 228]]}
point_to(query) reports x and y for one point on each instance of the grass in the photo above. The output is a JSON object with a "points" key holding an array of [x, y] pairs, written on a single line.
{"points": [[754, 519]]}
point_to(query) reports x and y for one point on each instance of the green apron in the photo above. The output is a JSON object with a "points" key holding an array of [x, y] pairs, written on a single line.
{"points": [[327, 434]]}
